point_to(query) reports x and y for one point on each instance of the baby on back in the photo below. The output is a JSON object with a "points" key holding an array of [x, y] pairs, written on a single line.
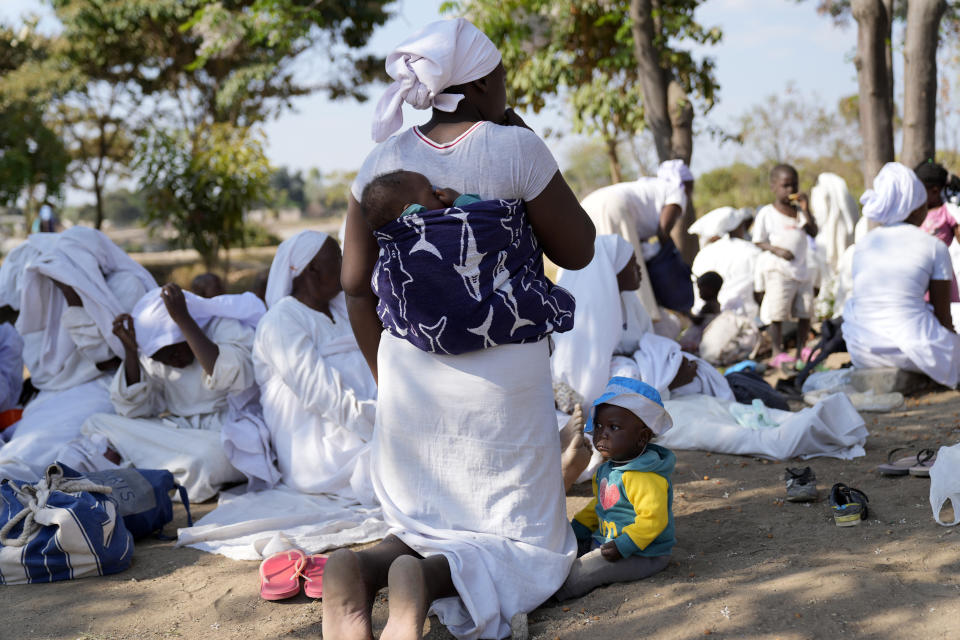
{"points": [[457, 273], [402, 193]]}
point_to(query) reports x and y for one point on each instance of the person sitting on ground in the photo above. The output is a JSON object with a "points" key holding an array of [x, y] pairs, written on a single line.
{"points": [[781, 229], [725, 249], [886, 322], [402, 193], [318, 395], [184, 355], [208, 285], [626, 532], [941, 220], [708, 285]]}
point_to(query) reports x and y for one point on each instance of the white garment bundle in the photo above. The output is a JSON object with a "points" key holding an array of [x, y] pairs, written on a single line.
{"points": [[658, 360], [16, 262], [835, 210], [831, 428]]}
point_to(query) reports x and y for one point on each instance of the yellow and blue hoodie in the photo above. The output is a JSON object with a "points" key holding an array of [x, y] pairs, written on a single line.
{"points": [[632, 505]]}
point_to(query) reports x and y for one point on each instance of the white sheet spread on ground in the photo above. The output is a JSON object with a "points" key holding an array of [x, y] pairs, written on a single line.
{"points": [[244, 523], [832, 428], [466, 463]]}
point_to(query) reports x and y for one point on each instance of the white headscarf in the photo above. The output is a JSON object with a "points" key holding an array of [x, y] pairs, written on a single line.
{"points": [[718, 222], [16, 262], [443, 54], [674, 172], [897, 192], [293, 256], [155, 328], [582, 356]]}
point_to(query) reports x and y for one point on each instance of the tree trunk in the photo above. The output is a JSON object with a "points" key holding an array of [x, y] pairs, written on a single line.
{"points": [[920, 80], [653, 79], [616, 174], [681, 122], [98, 194], [888, 57], [876, 108]]}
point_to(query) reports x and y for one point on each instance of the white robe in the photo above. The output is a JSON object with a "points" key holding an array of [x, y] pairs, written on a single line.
{"points": [[736, 261], [318, 398], [185, 441], [886, 322]]}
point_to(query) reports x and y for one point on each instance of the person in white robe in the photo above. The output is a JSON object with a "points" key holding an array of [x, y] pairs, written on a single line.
{"points": [[613, 335], [183, 356], [640, 211], [11, 366], [886, 322], [317, 393], [725, 250], [70, 287]]}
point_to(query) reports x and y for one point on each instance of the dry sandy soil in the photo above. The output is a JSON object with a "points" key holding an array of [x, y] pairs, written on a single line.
{"points": [[747, 566]]}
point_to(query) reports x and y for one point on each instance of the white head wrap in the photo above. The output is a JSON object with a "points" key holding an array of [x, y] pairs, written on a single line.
{"points": [[640, 399], [674, 172], [443, 54], [155, 328], [293, 256], [897, 192], [718, 222]]}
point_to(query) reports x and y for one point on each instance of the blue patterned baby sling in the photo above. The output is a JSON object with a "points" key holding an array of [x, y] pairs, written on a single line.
{"points": [[466, 278]]}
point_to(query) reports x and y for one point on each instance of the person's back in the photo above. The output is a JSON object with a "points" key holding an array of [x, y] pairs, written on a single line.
{"points": [[885, 283]]}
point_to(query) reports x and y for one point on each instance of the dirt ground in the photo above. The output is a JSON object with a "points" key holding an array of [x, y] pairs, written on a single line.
{"points": [[747, 565]]}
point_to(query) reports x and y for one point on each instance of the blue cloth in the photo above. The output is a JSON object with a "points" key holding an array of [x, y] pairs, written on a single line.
{"points": [[636, 396], [462, 200], [466, 278]]}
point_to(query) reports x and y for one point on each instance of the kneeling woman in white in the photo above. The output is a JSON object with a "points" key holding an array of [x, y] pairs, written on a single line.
{"points": [[613, 335], [184, 355], [318, 394], [886, 322]]}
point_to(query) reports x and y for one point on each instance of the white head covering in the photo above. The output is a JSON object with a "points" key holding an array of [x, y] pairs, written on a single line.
{"points": [[718, 222], [897, 192], [293, 256], [674, 172], [639, 398], [15, 265], [441, 55], [155, 328], [582, 356]]}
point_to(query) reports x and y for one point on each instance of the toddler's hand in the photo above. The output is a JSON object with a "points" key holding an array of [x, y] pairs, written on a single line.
{"points": [[446, 195], [610, 552]]}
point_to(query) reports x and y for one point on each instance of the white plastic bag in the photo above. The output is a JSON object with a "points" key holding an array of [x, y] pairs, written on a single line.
{"points": [[945, 483]]}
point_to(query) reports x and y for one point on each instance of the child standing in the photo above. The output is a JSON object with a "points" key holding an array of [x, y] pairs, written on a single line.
{"points": [[626, 532], [781, 229]]}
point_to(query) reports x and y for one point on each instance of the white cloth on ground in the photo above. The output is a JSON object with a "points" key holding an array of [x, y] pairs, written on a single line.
{"points": [[63, 344], [318, 397], [293, 256], [736, 262], [186, 440], [243, 522], [831, 428], [443, 54], [11, 366], [886, 322], [657, 361], [456, 475], [836, 213], [897, 192], [785, 232], [16, 262], [50, 422]]}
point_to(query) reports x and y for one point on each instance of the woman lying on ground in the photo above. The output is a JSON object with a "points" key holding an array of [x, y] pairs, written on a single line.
{"points": [[886, 322], [466, 454]]}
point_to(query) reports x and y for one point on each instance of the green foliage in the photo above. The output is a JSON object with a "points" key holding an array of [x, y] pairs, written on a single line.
{"points": [[202, 185], [123, 208], [289, 188], [587, 168], [582, 51]]}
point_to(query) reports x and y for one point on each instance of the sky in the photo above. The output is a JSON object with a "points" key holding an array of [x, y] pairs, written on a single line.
{"points": [[767, 45]]}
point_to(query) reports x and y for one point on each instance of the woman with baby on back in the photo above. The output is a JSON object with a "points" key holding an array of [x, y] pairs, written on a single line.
{"points": [[466, 454]]}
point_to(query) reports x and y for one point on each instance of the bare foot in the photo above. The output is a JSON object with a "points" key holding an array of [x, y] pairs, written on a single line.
{"points": [[576, 449], [409, 600], [346, 601]]}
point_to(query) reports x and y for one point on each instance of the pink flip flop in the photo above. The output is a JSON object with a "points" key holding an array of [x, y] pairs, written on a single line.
{"points": [[280, 575], [312, 573]]}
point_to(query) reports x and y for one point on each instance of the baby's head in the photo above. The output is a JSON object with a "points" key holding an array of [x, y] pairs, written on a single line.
{"points": [[709, 285], [208, 285], [388, 195], [626, 417]]}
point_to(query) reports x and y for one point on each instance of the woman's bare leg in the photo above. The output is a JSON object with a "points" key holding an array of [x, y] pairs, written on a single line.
{"points": [[413, 584], [576, 450], [351, 580]]}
